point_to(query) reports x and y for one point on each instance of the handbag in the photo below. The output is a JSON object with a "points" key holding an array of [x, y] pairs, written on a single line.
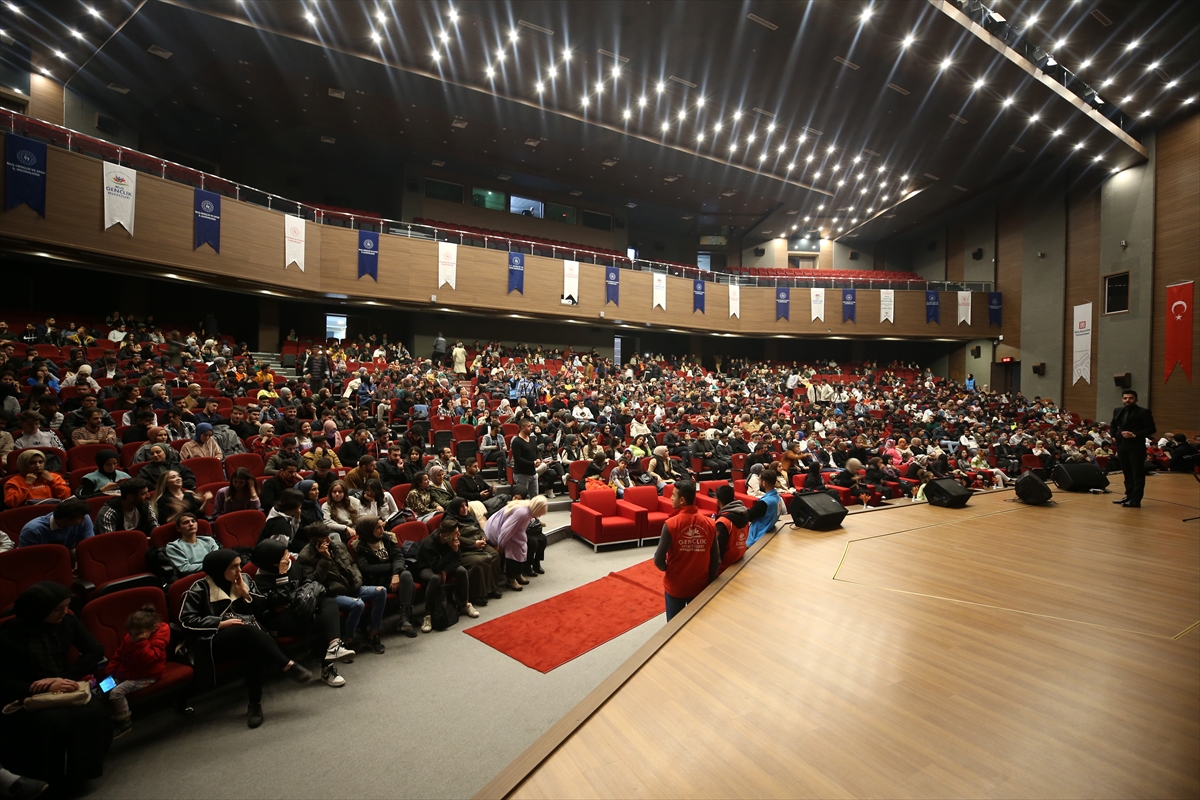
{"points": [[45, 700], [304, 600]]}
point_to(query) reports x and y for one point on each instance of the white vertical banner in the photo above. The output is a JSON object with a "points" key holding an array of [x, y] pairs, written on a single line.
{"points": [[1081, 344], [660, 291], [964, 308], [570, 295], [293, 241], [120, 196], [447, 263], [887, 305], [735, 300], [818, 303]]}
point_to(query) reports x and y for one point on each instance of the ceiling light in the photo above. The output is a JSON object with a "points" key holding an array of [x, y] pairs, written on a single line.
{"points": [[616, 71], [791, 166], [806, 219], [700, 101], [552, 72], [947, 63], [700, 136], [1132, 45], [375, 37], [793, 227], [1145, 113], [444, 36], [861, 175], [90, 10], [1086, 63], [453, 14], [716, 127], [566, 54], [1098, 159], [770, 127], [737, 114], [732, 146], [882, 184], [881, 168], [60, 54], [1079, 146], [1008, 101], [44, 71], [1033, 18], [1105, 82], [782, 147], [979, 84], [866, 14], [17, 9], [666, 126], [1058, 132], [1170, 85], [810, 158], [903, 177], [1115, 170], [626, 114], [841, 183], [857, 159], [908, 40], [1187, 101], [308, 15], [500, 55], [661, 87], [854, 220], [491, 72], [599, 89], [1061, 44], [512, 35], [540, 87], [75, 33], [821, 207], [869, 210], [683, 114], [829, 149], [1033, 118], [642, 101], [762, 158], [816, 175], [884, 198], [862, 191], [836, 167], [1128, 99], [584, 101], [750, 139]]}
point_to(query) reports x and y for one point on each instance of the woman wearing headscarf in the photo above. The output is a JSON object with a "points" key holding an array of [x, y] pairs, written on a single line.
{"points": [[218, 614], [32, 483], [283, 610], [381, 562], [161, 462], [333, 437], [106, 478], [204, 445], [660, 467], [484, 567], [266, 442], [505, 531], [66, 745], [310, 510]]}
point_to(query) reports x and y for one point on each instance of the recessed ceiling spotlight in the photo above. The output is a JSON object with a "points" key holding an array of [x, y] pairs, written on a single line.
{"points": [[770, 127], [854, 220], [1187, 101], [75, 33], [829, 149], [552, 72], [375, 37], [857, 159], [60, 54], [626, 114], [1132, 45], [539, 87], [13, 7], [946, 64], [90, 10], [903, 177], [762, 158], [882, 184], [700, 101], [1008, 101], [500, 55], [1058, 132], [1087, 62], [44, 71], [490, 72], [1128, 99], [700, 136], [584, 101], [908, 40], [782, 147], [1115, 170], [979, 84], [862, 191], [732, 146], [382, 17], [435, 55], [816, 175], [869, 210], [836, 167], [1079, 146], [1098, 159], [453, 14], [821, 207], [1170, 84], [882, 168], [716, 127], [682, 113], [661, 87], [1033, 118], [642, 101], [599, 89], [801, 139], [1033, 18], [1061, 44], [750, 139], [791, 166], [312, 20], [866, 14], [806, 219], [616, 71], [841, 183], [861, 175], [566, 54], [666, 126], [737, 114], [884, 198], [1105, 82], [1145, 113], [512, 35], [810, 158]]}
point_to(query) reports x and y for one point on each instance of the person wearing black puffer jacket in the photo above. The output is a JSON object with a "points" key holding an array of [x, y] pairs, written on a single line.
{"points": [[381, 562], [438, 557]]}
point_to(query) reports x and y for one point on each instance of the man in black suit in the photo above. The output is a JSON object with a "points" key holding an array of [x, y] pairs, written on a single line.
{"points": [[1131, 425]]}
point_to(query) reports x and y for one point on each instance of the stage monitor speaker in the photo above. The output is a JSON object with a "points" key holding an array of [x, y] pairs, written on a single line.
{"points": [[1082, 477], [817, 511], [947, 493], [1033, 490]]}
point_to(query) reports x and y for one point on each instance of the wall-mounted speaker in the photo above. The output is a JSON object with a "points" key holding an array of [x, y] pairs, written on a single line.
{"points": [[977, 254], [854, 255], [1039, 369], [1124, 380], [107, 124], [976, 351], [759, 252]]}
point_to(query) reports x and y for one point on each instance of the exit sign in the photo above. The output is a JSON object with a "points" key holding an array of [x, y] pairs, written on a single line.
{"points": [[1006, 360]]}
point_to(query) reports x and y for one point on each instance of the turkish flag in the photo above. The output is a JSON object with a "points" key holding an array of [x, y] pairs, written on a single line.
{"points": [[1179, 328]]}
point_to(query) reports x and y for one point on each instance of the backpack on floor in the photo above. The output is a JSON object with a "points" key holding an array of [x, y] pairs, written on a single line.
{"points": [[444, 612]]}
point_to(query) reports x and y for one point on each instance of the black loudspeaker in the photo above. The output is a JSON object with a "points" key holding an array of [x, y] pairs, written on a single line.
{"points": [[947, 493], [1039, 369], [1082, 477], [759, 252], [817, 511], [854, 255], [1123, 380], [976, 351], [1033, 490]]}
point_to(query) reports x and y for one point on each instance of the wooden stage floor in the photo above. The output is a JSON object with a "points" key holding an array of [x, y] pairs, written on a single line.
{"points": [[1000, 650]]}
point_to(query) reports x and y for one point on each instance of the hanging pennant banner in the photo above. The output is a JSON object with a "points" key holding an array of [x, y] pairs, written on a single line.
{"points": [[120, 196], [995, 309], [1081, 346], [783, 304], [570, 295], [964, 308], [933, 308], [612, 286], [293, 241], [887, 305], [735, 300], [25, 173], [447, 263], [849, 305], [206, 207], [1180, 298], [817, 300], [660, 291], [516, 273], [368, 254], [697, 296]]}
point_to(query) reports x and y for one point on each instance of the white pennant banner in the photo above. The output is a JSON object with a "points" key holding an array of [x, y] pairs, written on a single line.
{"points": [[570, 295], [818, 304], [293, 241], [735, 300], [887, 305], [1081, 344], [964, 308], [660, 291], [447, 263], [120, 196]]}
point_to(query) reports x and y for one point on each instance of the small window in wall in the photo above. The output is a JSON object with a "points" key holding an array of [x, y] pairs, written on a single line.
{"points": [[560, 213], [440, 190], [704, 261], [1116, 293], [335, 326], [486, 198], [594, 219], [526, 207]]}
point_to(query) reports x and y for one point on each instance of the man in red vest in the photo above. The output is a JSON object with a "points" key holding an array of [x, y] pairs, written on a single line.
{"points": [[733, 525], [687, 551]]}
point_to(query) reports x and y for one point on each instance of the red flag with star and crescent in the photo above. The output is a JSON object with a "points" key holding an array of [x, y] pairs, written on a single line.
{"points": [[1179, 328]]}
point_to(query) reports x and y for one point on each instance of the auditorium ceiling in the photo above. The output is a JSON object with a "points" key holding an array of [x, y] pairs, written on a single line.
{"points": [[850, 118]]}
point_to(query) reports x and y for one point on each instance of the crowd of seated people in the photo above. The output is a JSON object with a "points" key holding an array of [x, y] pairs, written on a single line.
{"points": [[326, 470]]}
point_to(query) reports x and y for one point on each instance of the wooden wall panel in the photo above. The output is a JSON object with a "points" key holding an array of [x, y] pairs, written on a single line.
{"points": [[1176, 258], [1082, 286], [252, 250], [955, 253], [1010, 226], [46, 99]]}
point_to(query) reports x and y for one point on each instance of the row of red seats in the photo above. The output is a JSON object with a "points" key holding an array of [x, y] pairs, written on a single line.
{"points": [[826, 274], [486, 233]]}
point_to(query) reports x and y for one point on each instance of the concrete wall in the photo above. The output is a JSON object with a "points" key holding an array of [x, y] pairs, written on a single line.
{"points": [[980, 367], [841, 257], [929, 264], [1122, 341], [79, 113], [1043, 288], [979, 232], [774, 257]]}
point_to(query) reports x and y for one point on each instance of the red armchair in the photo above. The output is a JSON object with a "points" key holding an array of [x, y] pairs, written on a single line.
{"points": [[658, 510], [704, 500], [600, 518]]}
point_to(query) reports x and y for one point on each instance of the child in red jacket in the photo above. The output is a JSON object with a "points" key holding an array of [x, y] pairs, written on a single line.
{"points": [[139, 661]]}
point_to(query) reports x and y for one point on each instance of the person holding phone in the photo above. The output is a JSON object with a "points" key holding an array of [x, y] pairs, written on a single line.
{"points": [[140, 660]]}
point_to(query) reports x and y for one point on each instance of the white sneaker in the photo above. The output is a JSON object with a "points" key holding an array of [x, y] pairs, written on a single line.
{"points": [[471, 612], [338, 650], [427, 624], [329, 674]]}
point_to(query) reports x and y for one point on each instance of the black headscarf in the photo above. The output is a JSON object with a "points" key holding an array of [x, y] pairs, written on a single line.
{"points": [[33, 604], [215, 564], [267, 555], [103, 457]]}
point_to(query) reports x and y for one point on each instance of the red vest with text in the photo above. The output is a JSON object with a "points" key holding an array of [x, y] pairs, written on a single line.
{"points": [[737, 543], [692, 539]]}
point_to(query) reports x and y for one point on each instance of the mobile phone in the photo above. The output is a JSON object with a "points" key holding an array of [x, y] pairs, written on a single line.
{"points": [[108, 684]]}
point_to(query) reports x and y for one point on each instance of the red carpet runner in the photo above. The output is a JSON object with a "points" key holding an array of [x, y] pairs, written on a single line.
{"points": [[548, 634]]}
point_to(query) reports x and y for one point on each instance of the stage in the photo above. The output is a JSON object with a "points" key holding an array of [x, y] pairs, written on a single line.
{"points": [[1000, 650]]}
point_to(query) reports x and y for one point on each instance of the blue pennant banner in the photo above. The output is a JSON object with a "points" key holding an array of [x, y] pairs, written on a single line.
{"points": [[849, 305], [783, 303], [698, 296], [612, 286], [933, 308], [996, 308], [516, 273], [25, 172], [207, 219], [368, 254]]}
